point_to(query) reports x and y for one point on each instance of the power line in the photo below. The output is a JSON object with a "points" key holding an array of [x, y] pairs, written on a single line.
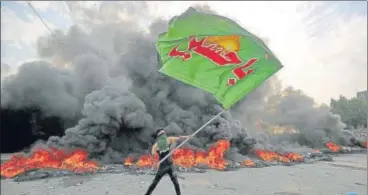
{"points": [[52, 32], [43, 21]]}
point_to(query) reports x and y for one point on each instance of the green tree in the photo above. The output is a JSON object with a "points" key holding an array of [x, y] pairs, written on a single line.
{"points": [[353, 111]]}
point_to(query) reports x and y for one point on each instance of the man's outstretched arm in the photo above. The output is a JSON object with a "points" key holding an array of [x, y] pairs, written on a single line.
{"points": [[174, 139]]}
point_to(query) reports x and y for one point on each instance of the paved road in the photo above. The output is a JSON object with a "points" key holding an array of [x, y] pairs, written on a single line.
{"points": [[347, 173]]}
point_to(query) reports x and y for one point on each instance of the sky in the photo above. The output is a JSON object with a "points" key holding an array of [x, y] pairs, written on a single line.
{"points": [[322, 45]]}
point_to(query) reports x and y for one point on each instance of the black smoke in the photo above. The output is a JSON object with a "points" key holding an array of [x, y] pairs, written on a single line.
{"points": [[104, 94], [22, 127]]}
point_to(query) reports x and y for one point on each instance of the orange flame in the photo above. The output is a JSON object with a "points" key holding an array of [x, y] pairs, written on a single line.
{"points": [[216, 154], [274, 156], [294, 157], [333, 147], [201, 158], [271, 156], [147, 161], [185, 157], [75, 161], [128, 161], [248, 163]]}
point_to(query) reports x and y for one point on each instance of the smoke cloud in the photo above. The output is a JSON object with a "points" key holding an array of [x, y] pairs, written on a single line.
{"points": [[106, 78]]}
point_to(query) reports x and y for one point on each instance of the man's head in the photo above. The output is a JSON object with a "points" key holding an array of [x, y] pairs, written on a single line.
{"points": [[160, 131]]}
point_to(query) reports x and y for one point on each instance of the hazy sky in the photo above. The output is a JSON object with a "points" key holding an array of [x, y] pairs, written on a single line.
{"points": [[323, 45]]}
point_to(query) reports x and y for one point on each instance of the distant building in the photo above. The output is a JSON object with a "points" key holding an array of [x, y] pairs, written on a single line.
{"points": [[363, 94]]}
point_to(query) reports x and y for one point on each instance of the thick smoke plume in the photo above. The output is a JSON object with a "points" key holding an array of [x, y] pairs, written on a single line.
{"points": [[100, 78]]}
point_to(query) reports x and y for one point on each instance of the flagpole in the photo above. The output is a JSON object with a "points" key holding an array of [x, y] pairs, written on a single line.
{"points": [[189, 137]]}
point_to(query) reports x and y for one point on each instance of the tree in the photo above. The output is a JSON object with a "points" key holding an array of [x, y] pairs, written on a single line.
{"points": [[353, 111]]}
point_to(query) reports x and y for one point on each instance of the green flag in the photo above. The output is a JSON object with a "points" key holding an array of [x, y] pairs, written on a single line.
{"points": [[215, 54]]}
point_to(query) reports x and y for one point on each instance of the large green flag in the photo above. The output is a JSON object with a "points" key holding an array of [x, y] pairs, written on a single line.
{"points": [[215, 54]]}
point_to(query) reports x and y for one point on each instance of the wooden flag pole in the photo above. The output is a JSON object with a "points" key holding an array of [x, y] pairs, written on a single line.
{"points": [[188, 138]]}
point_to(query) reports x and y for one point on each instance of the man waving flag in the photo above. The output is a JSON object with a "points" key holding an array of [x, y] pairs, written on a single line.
{"points": [[215, 54]]}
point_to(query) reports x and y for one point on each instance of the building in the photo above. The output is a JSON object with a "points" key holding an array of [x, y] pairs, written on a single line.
{"points": [[363, 94]]}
